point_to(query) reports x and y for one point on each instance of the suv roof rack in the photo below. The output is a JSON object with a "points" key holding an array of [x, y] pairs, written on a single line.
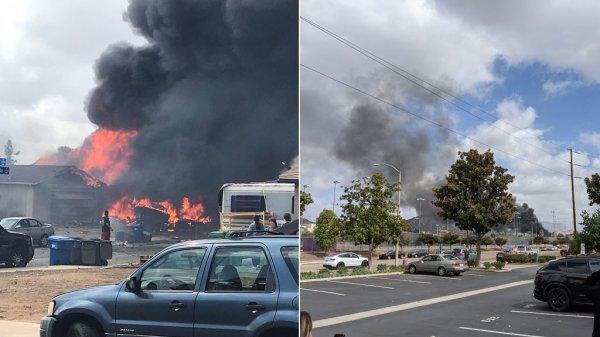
{"points": [[240, 234]]}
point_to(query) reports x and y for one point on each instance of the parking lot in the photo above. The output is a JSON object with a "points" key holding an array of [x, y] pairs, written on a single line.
{"points": [[476, 303]]}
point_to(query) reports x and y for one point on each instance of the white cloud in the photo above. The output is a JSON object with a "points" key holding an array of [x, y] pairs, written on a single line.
{"points": [[591, 138], [559, 88]]}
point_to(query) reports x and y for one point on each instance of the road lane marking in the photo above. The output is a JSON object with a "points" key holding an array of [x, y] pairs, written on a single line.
{"points": [[406, 306], [550, 314], [323, 291], [361, 284], [471, 274], [499, 332], [452, 278], [398, 279]]}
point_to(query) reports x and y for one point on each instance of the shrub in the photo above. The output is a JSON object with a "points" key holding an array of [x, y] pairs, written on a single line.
{"points": [[341, 271], [382, 268], [360, 271], [487, 265], [498, 265], [471, 263], [519, 258], [546, 258], [396, 268], [308, 275]]}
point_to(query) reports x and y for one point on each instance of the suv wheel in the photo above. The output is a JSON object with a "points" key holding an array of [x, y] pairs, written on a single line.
{"points": [[82, 329], [44, 241], [340, 265], [17, 258], [442, 271], [558, 299]]}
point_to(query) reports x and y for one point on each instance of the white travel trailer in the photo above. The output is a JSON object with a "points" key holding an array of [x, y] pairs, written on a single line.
{"points": [[239, 203]]}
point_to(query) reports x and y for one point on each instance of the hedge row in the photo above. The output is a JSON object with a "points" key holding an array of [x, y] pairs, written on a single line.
{"points": [[522, 258], [343, 271]]}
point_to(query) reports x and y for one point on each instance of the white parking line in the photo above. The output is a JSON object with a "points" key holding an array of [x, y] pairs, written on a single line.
{"points": [[550, 314], [471, 274], [451, 278], [499, 332], [323, 291], [361, 284], [406, 306], [398, 279]]}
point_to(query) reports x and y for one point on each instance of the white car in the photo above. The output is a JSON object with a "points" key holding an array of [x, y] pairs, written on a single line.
{"points": [[345, 260], [527, 250]]}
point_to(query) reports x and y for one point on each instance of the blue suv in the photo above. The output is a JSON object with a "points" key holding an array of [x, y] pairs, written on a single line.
{"points": [[238, 286]]}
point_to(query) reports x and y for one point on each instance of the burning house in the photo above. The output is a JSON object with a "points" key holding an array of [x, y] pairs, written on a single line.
{"points": [[62, 195]]}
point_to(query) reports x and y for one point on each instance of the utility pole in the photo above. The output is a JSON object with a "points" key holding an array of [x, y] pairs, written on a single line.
{"points": [[573, 192], [335, 182]]}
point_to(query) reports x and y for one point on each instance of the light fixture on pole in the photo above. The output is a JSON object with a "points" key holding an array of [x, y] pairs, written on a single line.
{"points": [[304, 188], [419, 200], [335, 182], [399, 196]]}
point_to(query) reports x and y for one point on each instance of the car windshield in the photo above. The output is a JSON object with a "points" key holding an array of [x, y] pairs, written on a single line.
{"points": [[7, 222]]}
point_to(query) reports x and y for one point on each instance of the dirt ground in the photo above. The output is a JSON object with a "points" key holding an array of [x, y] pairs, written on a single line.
{"points": [[24, 295]]}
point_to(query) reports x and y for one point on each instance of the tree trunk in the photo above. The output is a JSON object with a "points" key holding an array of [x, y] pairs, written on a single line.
{"points": [[478, 247], [371, 249]]}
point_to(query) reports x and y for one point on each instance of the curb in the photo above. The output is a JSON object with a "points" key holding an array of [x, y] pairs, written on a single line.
{"points": [[350, 277]]}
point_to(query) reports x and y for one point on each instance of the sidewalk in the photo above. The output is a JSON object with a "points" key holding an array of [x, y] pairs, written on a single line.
{"points": [[19, 329]]}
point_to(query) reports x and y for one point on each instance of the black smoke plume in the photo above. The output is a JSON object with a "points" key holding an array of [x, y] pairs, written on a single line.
{"points": [[213, 95]]}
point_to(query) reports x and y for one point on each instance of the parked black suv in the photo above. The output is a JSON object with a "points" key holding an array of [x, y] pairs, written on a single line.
{"points": [[16, 249], [560, 283]]}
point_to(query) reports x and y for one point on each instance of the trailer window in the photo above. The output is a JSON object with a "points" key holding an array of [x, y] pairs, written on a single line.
{"points": [[248, 203]]}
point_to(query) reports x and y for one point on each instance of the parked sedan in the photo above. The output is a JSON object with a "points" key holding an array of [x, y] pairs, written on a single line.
{"points": [[442, 264], [38, 231], [391, 255], [418, 253], [345, 260]]}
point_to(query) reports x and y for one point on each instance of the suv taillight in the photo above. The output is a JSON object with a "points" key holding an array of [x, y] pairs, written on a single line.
{"points": [[539, 276]]}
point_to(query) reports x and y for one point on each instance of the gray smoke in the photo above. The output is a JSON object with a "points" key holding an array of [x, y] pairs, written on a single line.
{"points": [[377, 133], [213, 96]]}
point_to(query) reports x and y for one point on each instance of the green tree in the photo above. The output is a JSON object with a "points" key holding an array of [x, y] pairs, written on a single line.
{"points": [[590, 235], [327, 230], [10, 153], [593, 188], [305, 200], [428, 240], [471, 240], [500, 241], [368, 212], [486, 241], [476, 195], [450, 239], [539, 239]]}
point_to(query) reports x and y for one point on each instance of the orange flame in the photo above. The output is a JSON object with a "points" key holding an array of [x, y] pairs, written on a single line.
{"points": [[124, 209], [104, 154]]}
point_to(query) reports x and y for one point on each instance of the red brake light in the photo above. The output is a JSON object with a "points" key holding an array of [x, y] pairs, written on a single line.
{"points": [[455, 264], [539, 276]]}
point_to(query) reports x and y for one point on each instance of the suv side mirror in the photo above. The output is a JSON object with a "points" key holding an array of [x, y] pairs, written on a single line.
{"points": [[133, 284]]}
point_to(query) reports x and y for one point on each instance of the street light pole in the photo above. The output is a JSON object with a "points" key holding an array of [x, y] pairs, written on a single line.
{"points": [[399, 197], [419, 200], [335, 182]]}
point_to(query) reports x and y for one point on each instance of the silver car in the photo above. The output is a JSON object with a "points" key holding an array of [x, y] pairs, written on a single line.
{"points": [[38, 231], [442, 264]]}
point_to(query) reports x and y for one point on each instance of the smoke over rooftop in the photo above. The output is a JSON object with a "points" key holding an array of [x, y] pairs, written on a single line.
{"points": [[212, 98]]}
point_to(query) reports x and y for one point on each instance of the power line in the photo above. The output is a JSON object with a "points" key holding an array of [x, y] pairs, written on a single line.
{"points": [[439, 92], [402, 109]]}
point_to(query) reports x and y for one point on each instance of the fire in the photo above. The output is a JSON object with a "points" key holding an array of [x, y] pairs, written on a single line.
{"points": [[105, 154], [124, 209]]}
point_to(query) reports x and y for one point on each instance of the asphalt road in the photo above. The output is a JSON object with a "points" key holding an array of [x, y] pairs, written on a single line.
{"points": [[473, 304]]}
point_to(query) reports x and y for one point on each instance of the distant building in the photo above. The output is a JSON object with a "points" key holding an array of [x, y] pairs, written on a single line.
{"points": [[292, 175], [61, 195]]}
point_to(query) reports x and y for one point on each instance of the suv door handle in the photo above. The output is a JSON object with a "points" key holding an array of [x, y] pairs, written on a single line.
{"points": [[254, 307], [176, 305]]}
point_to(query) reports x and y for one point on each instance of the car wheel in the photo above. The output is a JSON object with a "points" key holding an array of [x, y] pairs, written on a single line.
{"points": [[442, 271], [82, 329], [558, 299], [389, 257], [412, 269], [341, 264], [17, 259], [456, 273], [44, 241], [364, 264]]}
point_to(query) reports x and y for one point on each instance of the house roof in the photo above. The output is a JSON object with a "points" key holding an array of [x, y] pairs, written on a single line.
{"points": [[292, 175], [35, 174]]}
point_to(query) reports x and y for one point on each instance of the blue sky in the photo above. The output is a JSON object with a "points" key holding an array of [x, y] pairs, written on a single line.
{"points": [[537, 81]]}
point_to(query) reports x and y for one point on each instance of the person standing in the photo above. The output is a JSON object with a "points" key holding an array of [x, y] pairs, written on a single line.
{"points": [[273, 223], [305, 324], [256, 224], [288, 218], [592, 291], [106, 229]]}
